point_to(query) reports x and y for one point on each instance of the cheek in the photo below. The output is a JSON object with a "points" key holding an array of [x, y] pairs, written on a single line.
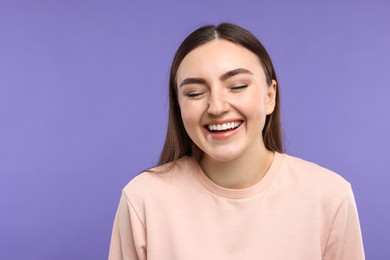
{"points": [[253, 104], [190, 121], [187, 122], [189, 114]]}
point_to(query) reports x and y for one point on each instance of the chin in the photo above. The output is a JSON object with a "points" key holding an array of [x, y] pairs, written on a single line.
{"points": [[222, 157]]}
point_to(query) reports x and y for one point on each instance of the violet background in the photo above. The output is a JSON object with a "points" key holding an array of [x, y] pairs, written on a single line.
{"points": [[83, 106]]}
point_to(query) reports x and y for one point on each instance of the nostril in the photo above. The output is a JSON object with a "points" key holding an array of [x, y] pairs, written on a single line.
{"points": [[217, 108]]}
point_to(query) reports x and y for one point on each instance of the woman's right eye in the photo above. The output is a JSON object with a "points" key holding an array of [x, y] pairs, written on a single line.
{"points": [[194, 94]]}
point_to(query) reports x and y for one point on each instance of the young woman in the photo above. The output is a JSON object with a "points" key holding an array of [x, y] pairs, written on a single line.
{"points": [[223, 188]]}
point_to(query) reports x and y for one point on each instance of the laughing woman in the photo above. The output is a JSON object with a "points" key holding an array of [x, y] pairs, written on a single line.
{"points": [[223, 188]]}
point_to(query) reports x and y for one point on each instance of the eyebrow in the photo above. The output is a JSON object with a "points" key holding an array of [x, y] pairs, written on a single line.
{"points": [[235, 72], [224, 77]]}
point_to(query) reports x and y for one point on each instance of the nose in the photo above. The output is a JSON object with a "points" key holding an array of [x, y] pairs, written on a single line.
{"points": [[217, 104]]}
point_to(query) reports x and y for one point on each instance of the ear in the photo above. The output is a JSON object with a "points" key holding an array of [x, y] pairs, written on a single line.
{"points": [[271, 97]]}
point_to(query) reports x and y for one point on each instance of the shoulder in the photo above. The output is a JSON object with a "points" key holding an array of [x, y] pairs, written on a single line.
{"points": [[164, 179], [315, 179]]}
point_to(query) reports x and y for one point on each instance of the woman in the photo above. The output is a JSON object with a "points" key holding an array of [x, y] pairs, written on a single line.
{"points": [[223, 189]]}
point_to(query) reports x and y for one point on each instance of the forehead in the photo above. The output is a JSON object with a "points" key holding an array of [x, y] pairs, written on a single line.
{"points": [[217, 57]]}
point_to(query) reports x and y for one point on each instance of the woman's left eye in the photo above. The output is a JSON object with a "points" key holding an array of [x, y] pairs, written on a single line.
{"points": [[238, 87]]}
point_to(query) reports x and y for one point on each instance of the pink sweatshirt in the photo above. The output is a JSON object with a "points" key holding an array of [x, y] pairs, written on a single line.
{"points": [[298, 211]]}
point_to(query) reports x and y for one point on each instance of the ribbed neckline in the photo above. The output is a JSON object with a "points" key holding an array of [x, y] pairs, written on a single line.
{"points": [[240, 193]]}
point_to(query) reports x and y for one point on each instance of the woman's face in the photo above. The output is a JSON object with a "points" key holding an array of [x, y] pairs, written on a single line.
{"points": [[224, 99]]}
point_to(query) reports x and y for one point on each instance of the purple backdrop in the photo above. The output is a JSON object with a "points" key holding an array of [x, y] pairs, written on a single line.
{"points": [[83, 106]]}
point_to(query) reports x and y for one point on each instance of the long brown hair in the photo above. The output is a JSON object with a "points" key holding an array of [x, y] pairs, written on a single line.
{"points": [[177, 143]]}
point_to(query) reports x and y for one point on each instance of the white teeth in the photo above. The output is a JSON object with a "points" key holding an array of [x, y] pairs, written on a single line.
{"points": [[225, 126]]}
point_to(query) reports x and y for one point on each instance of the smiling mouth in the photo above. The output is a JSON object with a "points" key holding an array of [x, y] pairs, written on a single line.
{"points": [[224, 126]]}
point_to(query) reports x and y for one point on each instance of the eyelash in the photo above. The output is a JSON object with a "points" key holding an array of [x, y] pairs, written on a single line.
{"points": [[239, 87], [198, 94], [194, 94]]}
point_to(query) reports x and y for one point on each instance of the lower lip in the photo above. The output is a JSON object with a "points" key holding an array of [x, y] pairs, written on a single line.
{"points": [[222, 135]]}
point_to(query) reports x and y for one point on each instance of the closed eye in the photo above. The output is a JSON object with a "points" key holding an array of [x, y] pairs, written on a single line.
{"points": [[238, 87], [194, 94]]}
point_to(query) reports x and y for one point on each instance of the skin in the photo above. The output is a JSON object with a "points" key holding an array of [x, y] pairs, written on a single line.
{"points": [[221, 82]]}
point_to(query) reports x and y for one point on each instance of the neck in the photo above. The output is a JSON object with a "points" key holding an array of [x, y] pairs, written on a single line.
{"points": [[241, 172]]}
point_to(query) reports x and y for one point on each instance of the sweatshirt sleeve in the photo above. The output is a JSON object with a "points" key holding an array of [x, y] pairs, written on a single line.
{"points": [[128, 241], [345, 239]]}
